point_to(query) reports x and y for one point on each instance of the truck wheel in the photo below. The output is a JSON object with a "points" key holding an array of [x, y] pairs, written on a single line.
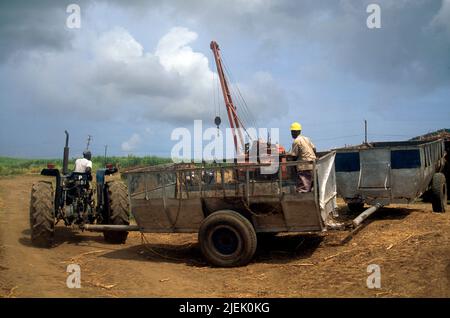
{"points": [[355, 207], [439, 192], [42, 220], [227, 239], [117, 210]]}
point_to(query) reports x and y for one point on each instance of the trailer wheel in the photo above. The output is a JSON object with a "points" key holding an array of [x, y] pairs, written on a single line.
{"points": [[42, 220], [117, 210], [227, 239], [355, 207], [439, 192]]}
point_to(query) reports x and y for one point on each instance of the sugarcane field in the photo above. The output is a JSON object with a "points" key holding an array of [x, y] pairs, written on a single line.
{"points": [[225, 156]]}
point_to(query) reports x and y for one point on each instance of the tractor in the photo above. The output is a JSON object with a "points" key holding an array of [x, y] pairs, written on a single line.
{"points": [[71, 198]]}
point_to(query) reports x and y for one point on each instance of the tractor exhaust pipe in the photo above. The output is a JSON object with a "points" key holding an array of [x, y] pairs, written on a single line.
{"points": [[66, 155]]}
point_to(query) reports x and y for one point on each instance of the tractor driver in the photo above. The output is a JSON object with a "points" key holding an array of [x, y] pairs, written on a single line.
{"points": [[84, 165], [302, 149]]}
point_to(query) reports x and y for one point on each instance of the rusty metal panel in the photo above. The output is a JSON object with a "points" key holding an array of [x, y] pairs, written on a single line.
{"points": [[375, 168], [212, 204], [269, 223], [264, 188], [186, 214], [301, 211], [347, 184], [150, 214], [173, 216], [405, 183]]}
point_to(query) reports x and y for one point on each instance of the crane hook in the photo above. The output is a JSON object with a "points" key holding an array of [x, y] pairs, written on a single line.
{"points": [[217, 121]]}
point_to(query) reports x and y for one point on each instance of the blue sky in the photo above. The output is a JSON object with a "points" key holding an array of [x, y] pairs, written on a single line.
{"points": [[136, 70]]}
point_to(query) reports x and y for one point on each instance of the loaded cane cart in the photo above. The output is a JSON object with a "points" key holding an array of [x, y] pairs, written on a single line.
{"points": [[228, 204]]}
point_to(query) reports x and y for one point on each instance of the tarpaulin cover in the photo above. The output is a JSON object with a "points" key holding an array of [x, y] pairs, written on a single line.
{"points": [[326, 179]]}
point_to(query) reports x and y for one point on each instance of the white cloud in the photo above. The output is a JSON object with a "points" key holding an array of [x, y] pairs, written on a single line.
{"points": [[442, 18], [173, 83], [132, 143], [118, 45]]}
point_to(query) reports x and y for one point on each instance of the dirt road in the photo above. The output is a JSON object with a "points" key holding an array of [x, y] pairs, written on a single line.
{"points": [[409, 243]]}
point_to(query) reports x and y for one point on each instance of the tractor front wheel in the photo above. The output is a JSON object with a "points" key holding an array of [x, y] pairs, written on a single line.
{"points": [[117, 211], [42, 220]]}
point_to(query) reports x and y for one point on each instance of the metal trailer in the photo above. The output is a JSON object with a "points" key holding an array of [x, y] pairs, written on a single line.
{"points": [[381, 173], [228, 204]]}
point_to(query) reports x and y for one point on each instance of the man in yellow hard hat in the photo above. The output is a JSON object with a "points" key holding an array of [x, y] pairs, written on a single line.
{"points": [[302, 149]]}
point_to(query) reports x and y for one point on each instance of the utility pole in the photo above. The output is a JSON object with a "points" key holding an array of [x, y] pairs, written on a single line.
{"points": [[365, 131], [106, 149], [88, 142]]}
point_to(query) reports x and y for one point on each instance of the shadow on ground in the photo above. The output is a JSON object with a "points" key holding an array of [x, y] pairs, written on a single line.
{"points": [[384, 213], [273, 250], [64, 235]]}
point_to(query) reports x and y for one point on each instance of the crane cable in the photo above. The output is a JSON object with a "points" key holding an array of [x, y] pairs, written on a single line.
{"points": [[247, 114], [240, 121], [247, 118]]}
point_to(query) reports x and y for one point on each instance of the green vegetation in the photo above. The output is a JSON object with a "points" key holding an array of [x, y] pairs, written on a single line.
{"points": [[13, 166]]}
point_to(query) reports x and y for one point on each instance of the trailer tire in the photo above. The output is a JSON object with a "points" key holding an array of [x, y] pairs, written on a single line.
{"points": [[439, 192], [42, 219], [355, 207], [227, 239], [117, 211]]}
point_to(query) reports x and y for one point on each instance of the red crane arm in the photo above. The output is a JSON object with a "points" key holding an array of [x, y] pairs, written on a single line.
{"points": [[233, 118]]}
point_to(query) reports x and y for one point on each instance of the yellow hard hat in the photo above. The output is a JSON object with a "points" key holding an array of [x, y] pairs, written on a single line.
{"points": [[296, 126]]}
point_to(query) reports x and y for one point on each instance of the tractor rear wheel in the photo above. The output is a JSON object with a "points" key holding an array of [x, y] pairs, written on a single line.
{"points": [[42, 220], [117, 211], [439, 192], [227, 239]]}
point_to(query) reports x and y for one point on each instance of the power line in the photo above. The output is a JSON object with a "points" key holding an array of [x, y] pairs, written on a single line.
{"points": [[338, 137]]}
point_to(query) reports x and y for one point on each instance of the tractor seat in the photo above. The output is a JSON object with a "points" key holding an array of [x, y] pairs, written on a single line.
{"points": [[87, 176]]}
